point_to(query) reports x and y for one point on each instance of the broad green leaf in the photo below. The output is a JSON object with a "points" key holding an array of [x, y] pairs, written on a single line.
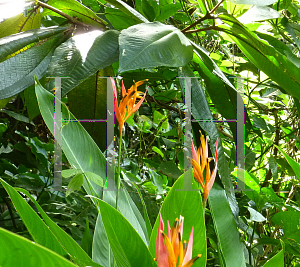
{"points": [[188, 204], [82, 56], [223, 204], [69, 244], [276, 261], [128, 247], [13, 43], [36, 227], [149, 45], [23, 252], [295, 166], [259, 13], [20, 23], [149, 8], [76, 10], [226, 228], [254, 2], [24, 66], [266, 58], [289, 221]]}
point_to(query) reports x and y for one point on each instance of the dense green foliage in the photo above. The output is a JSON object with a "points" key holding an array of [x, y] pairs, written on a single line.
{"points": [[242, 60]]}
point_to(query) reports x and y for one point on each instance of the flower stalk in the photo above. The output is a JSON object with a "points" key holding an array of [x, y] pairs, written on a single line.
{"points": [[123, 111]]}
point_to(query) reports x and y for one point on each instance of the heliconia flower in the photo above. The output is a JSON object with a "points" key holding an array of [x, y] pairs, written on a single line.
{"points": [[128, 103], [201, 161], [169, 247]]}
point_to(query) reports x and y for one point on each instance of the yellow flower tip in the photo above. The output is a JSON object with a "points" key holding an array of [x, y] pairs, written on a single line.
{"points": [[154, 259], [199, 255]]}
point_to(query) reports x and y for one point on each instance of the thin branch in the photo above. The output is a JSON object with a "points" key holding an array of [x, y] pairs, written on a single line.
{"points": [[203, 29], [208, 15], [28, 17]]}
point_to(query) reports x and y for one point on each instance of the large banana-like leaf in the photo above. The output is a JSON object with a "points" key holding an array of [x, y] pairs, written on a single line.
{"points": [[82, 56], [149, 45], [13, 43], [19, 251], [17, 73]]}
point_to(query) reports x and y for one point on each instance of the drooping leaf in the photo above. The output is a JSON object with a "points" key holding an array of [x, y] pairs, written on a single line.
{"points": [[24, 66], [266, 58], [127, 246], [188, 204], [21, 252], [82, 56], [69, 244], [149, 45], [36, 227]]}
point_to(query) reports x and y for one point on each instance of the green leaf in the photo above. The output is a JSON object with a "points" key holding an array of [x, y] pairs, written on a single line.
{"points": [[94, 178], [158, 151], [70, 245], [24, 66], [295, 166], [128, 247], [149, 45], [259, 13], [118, 19], [128, 10], [36, 227], [13, 43], [220, 89], [289, 221], [76, 10], [75, 184], [226, 228], [85, 155], [278, 67], [276, 261], [23, 252], [81, 56], [20, 23], [255, 215], [188, 204], [254, 2]]}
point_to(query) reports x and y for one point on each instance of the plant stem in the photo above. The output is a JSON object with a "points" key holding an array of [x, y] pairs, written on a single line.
{"points": [[119, 171]]}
